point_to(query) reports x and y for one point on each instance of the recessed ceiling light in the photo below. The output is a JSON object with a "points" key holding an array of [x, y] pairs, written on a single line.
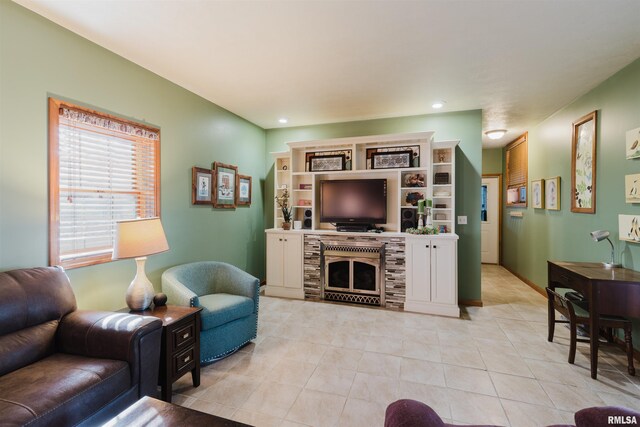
{"points": [[283, 120], [496, 133], [438, 104]]}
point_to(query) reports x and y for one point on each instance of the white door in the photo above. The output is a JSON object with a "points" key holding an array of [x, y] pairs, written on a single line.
{"points": [[490, 220]]}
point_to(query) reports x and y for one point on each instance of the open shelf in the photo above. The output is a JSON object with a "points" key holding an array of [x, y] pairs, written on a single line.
{"points": [[403, 183]]}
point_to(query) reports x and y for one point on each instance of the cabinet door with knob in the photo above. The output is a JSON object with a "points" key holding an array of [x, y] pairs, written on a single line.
{"points": [[431, 272], [285, 265]]}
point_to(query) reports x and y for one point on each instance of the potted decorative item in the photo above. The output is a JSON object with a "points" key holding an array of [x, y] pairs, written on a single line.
{"points": [[283, 202]]}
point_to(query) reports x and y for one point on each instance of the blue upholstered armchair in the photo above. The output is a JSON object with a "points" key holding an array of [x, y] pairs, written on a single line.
{"points": [[229, 300]]}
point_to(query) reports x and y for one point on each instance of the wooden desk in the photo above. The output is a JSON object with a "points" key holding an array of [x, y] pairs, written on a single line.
{"points": [[612, 291]]}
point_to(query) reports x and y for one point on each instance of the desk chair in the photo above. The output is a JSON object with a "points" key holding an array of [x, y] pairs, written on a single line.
{"points": [[578, 314]]}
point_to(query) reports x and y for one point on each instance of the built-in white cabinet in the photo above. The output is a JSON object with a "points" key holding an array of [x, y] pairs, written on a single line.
{"points": [[431, 274], [430, 175], [285, 265]]}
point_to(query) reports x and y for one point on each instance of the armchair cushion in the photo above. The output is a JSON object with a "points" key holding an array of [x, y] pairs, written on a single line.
{"points": [[219, 309]]}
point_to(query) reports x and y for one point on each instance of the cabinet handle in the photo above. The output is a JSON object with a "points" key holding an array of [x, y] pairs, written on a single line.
{"points": [[186, 359], [434, 246], [285, 240], [280, 240], [427, 246], [185, 336]]}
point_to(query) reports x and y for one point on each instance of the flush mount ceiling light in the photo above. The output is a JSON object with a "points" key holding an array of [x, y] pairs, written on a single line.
{"points": [[283, 120], [496, 133], [438, 104]]}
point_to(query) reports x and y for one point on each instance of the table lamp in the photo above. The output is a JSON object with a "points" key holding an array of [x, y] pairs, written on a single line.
{"points": [[600, 235], [136, 239]]}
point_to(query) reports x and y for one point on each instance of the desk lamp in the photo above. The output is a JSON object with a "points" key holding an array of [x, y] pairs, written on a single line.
{"points": [[136, 239], [599, 236]]}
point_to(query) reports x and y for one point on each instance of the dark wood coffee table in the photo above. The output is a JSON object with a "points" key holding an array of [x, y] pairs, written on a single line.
{"points": [[153, 412]]}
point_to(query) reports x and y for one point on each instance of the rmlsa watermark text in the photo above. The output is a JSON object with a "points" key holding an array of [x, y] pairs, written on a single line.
{"points": [[622, 420]]}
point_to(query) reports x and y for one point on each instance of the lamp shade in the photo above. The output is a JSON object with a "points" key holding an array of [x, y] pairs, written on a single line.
{"points": [[599, 235], [139, 238]]}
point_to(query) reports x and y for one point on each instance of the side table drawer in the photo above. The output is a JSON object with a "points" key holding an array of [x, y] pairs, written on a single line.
{"points": [[184, 335], [184, 361]]}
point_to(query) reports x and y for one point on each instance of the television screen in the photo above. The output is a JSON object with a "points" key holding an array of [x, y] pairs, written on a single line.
{"points": [[361, 201]]}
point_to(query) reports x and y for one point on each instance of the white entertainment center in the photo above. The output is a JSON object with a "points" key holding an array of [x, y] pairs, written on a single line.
{"points": [[412, 272]]}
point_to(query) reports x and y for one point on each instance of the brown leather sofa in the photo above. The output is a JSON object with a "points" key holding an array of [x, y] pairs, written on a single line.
{"points": [[63, 367]]}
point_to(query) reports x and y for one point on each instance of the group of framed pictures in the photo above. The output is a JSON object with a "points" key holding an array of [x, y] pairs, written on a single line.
{"points": [[223, 187], [545, 194], [629, 225]]}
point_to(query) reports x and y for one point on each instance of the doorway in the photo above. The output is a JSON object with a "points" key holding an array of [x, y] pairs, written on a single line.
{"points": [[491, 219]]}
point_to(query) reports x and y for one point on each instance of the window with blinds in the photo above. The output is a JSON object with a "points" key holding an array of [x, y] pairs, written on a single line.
{"points": [[517, 163], [102, 169]]}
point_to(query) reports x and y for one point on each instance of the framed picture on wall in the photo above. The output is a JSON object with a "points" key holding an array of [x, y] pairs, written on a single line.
{"points": [[201, 186], [244, 190], [224, 184], [583, 164], [633, 144], [552, 193], [537, 194]]}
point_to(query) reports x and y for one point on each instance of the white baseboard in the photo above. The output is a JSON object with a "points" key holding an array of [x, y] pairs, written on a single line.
{"points": [[432, 308], [279, 291]]}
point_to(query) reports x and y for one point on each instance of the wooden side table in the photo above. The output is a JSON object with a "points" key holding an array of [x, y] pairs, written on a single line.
{"points": [[180, 351]]}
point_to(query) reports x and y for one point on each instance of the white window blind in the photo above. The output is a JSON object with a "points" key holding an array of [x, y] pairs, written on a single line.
{"points": [[107, 171]]}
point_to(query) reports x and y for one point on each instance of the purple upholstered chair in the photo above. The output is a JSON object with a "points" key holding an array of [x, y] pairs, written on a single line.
{"points": [[606, 415], [411, 413]]}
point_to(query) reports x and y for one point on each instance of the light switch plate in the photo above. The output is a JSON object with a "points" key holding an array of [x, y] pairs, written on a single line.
{"points": [[462, 219]]}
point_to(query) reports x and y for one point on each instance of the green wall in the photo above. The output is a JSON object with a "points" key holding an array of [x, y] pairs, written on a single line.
{"points": [[543, 235], [40, 59], [492, 161], [465, 126]]}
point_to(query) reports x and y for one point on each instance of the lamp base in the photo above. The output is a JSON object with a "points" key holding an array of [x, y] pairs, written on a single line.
{"points": [[140, 292], [611, 265]]}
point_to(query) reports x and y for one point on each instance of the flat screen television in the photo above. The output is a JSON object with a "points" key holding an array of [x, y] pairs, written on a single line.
{"points": [[354, 201]]}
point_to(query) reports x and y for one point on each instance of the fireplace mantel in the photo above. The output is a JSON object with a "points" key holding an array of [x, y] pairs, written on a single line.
{"points": [[420, 272]]}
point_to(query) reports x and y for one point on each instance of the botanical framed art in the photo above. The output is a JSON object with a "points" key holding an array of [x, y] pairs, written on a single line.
{"points": [[583, 164], [632, 188], [224, 184], [552, 193], [243, 193], [201, 186], [633, 143], [629, 228], [537, 194]]}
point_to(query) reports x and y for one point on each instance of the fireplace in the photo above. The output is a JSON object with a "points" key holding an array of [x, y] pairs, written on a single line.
{"points": [[351, 272]]}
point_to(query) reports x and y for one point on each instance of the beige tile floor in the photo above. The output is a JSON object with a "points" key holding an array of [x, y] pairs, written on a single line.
{"points": [[317, 364]]}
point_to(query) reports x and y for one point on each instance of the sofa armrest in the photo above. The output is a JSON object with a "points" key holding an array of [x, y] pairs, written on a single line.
{"points": [[177, 293], [107, 335]]}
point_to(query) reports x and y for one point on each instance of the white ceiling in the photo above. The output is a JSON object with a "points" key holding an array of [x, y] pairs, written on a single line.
{"points": [[335, 61]]}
